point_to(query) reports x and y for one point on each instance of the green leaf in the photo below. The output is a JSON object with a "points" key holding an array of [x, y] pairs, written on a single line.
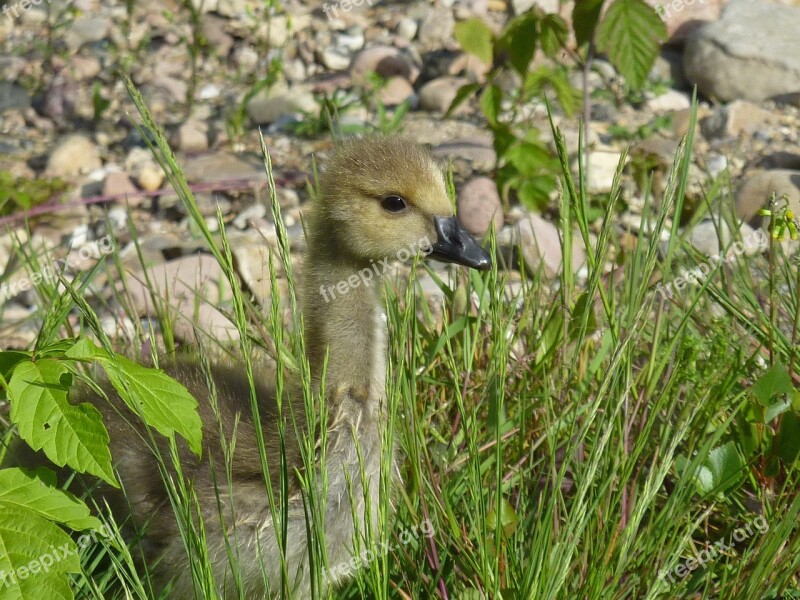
{"points": [[68, 434], [162, 402], [776, 380], [491, 102], [9, 360], [553, 34], [723, 468], [463, 93], [518, 42], [549, 77], [35, 556], [631, 33], [585, 17], [508, 517], [26, 490], [787, 441], [529, 159], [475, 37]]}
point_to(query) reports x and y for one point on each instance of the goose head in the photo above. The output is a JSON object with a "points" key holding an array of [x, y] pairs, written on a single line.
{"points": [[385, 197]]}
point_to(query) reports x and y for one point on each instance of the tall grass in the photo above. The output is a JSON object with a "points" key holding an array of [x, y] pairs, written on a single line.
{"points": [[556, 438]]}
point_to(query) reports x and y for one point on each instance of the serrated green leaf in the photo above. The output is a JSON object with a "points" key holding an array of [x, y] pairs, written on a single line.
{"points": [[631, 33], [725, 467], [35, 556], [585, 17], [24, 490], [553, 34], [68, 434], [162, 402], [476, 38], [518, 41]]}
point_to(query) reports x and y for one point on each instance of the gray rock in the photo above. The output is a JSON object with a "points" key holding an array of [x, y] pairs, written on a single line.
{"points": [[217, 38], [335, 58], [85, 30], [141, 165], [396, 91], [189, 288], [716, 164], [711, 238], [193, 136], [270, 105], [120, 185], [541, 246], [438, 95], [672, 100], [751, 53], [407, 28], [219, 166], [352, 40], [735, 119], [602, 168], [478, 151], [479, 206], [436, 29], [254, 211], [13, 97]]}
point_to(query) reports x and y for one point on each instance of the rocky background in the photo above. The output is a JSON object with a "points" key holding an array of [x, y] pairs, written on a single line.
{"points": [[211, 78]]}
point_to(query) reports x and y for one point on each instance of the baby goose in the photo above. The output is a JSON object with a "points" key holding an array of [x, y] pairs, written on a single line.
{"points": [[380, 198]]}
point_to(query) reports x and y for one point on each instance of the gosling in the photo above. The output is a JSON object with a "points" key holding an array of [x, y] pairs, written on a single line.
{"points": [[380, 198]]}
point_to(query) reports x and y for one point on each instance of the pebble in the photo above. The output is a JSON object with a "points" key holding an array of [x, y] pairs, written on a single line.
{"points": [[437, 95], [480, 207], [436, 28], [280, 101], [335, 58], [193, 136], [407, 28], [396, 91], [734, 120], [75, 155], [13, 97], [254, 211]]}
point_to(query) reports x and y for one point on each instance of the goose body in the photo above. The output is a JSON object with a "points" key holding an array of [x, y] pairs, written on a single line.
{"points": [[380, 198]]}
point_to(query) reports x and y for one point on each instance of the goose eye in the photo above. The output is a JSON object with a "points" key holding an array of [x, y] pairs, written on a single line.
{"points": [[393, 204]]}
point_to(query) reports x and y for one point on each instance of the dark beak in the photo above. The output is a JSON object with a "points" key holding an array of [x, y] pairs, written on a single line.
{"points": [[453, 244]]}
